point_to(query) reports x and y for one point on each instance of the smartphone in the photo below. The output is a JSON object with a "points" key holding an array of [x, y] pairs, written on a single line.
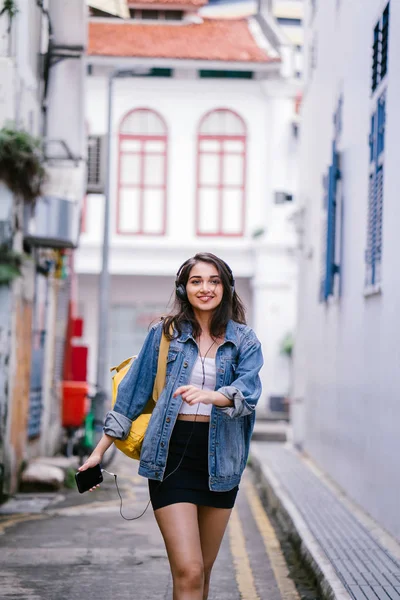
{"points": [[88, 479]]}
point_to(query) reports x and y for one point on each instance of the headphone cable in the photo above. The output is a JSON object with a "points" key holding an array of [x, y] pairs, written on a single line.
{"points": [[202, 360]]}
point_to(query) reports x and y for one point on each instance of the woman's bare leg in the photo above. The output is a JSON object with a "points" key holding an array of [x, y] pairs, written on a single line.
{"points": [[180, 529], [212, 526]]}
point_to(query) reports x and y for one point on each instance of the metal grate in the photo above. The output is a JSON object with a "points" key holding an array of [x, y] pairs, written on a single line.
{"points": [[95, 183], [366, 569]]}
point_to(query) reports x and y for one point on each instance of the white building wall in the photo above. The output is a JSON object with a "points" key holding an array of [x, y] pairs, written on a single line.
{"points": [[139, 264], [347, 377], [22, 104], [19, 85]]}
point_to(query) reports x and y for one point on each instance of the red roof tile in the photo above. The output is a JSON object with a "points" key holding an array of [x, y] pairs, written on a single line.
{"points": [[225, 40]]}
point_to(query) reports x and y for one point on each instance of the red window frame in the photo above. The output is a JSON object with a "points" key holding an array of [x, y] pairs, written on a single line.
{"points": [[84, 214], [221, 186], [143, 139]]}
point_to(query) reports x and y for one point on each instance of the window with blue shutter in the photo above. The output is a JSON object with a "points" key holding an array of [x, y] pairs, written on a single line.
{"points": [[371, 138], [381, 124], [380, 49], [373, 252], [332, 221], [375, 57], [385, 39], [330, 266]]}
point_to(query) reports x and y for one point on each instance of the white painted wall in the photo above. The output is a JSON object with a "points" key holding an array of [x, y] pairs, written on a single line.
{"points": [[144, 267], [347, 376], [183, 104], [19, 87]]}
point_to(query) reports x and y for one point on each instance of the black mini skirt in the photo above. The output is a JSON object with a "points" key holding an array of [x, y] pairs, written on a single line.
{"points": [[186, 474]]}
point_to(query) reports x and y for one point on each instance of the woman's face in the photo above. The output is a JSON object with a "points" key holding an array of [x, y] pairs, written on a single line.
{"points": [[204, 287]]}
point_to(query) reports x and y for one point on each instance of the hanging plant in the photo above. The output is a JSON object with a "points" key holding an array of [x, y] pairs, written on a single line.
{"points": [[287, 345], [10, 264], [10, 8], [21, 163]]}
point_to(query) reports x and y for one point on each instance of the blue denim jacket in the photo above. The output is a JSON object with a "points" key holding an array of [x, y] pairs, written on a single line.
{"points": [[238, 362]]}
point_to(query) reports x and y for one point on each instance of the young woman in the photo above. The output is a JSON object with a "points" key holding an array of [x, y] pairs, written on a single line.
{"points": [[197, 442]]}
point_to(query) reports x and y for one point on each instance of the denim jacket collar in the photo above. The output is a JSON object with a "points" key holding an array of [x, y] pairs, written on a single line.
{"points": [[230, 333]]}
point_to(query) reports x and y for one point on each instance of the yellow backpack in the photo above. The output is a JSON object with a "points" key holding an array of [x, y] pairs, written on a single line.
{"points": [[132, 445]]}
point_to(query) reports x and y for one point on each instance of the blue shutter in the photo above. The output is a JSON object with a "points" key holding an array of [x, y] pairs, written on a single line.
{"points": [[36, 390], [385, 41], [381, 124], [373, 254], [37, 357], [325, 186], [372, 139], [330, 268], [375, 57]]}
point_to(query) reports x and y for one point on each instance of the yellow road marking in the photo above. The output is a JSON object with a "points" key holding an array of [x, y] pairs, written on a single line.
{"points": [[15, 519], [244, 574], [272, 546]]}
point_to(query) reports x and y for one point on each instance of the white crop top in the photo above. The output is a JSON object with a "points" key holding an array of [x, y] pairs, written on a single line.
{"points": [[196, 379]]}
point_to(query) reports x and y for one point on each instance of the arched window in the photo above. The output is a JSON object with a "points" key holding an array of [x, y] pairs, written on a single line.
{"points": [[142, 177], [221, 172]]}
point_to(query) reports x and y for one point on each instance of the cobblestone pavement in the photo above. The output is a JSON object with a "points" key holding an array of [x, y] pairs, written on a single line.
{"points": [[80, 547]]}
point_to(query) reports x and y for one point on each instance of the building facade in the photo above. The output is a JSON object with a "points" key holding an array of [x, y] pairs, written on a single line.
{"points": [[203, 158], [41, 95], [345, 407]]}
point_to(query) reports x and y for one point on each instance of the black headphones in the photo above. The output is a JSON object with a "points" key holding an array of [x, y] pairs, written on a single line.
{"points": [[180, 289]]}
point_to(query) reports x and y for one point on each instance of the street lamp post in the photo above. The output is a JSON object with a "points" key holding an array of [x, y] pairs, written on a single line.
{"points": [[99, 403]]}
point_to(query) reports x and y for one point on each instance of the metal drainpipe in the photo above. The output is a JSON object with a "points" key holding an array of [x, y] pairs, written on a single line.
{"points": [[99, 402]]}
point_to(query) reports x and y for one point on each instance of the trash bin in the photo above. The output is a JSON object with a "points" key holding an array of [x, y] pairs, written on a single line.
{"points": [[75, 403]]}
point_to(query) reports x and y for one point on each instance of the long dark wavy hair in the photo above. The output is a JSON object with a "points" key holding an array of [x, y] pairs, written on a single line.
{"points": [[230, 307]]}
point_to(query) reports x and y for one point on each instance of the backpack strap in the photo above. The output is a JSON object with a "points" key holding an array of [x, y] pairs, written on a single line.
{"points": [[161, 368]]}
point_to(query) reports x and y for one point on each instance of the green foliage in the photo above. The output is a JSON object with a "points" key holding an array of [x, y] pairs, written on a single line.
{"points": [[69, 481], [21, 163], [10, 7], [258, 232], [10, 265], [287, 345]]}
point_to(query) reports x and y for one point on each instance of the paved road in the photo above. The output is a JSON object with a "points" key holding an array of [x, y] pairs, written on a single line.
{"points": [[79, 547]]}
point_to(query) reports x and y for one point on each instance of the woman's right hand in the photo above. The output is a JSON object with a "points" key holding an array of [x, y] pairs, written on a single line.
{"points": [[92, 461]]}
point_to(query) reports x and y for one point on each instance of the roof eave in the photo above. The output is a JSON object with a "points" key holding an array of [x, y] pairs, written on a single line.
{"points": [[129, 62]]}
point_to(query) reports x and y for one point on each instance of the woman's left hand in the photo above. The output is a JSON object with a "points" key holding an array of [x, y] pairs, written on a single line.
{"points": [[193, 395]]}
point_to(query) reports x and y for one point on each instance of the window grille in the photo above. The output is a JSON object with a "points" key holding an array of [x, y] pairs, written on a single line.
{"points": [[373, 254]]}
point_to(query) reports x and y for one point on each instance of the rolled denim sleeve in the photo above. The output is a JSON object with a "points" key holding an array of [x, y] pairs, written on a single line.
{"points": [[245, 389], [136, 388], [116, 425]]}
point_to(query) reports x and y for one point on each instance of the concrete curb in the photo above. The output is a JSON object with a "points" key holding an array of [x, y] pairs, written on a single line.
{"points": [[290, 517]]}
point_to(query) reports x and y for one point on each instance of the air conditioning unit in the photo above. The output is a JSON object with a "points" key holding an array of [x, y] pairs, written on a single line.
{"points": [[54, 222], [96, 164]]}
